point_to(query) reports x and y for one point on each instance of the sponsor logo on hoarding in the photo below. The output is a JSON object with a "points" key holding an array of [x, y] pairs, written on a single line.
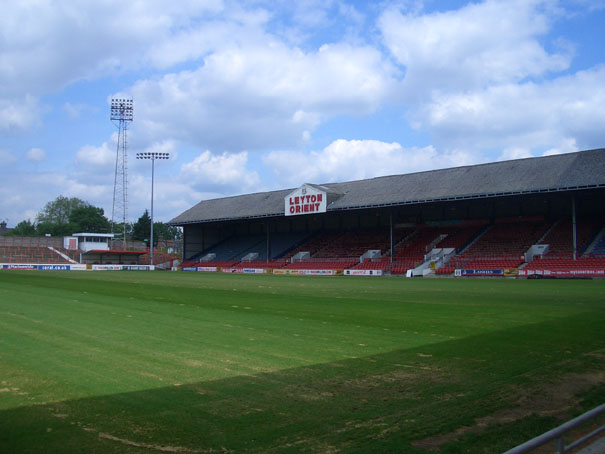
{"points": [[14, 266], [232, 270], [363, 272], [107, 267], [253, 271], [563, 273], [319, 272], [54, 267], [206, 268], [307, 272], [479, 273], [29, 266]]}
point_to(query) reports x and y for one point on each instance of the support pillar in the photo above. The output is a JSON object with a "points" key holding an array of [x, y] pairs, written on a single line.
{"points": [[392, 239], [574, 228], [268, 243]]}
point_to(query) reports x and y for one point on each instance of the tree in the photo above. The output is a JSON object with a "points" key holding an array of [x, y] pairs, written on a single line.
{"points": [[117, 228], [53, 229], [58, 211], [89, 219], [141, 228], [166, 232], [24, 228]]}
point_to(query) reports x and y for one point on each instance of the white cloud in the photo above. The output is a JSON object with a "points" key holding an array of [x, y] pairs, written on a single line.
{"points": [[568, 145], [97, 160], [529, 115], [48, 44], [224, 173], [71, 41], [515, 153], [482, 43], [259, 97], [36, 155], [18, 114], [345, 160], [44, 187], [480, 78]]}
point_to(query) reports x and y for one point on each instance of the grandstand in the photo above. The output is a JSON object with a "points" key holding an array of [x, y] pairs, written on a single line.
{"points": [[483, 217]]}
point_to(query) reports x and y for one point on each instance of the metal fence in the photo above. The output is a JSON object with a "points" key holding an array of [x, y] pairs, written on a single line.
{"points": [[557, 434]]}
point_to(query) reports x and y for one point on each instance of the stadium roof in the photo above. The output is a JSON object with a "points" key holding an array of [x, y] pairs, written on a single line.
{"points": [[565, 172]]}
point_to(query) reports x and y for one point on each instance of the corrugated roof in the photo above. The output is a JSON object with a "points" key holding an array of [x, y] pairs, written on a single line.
{"points": [[585, 169]]}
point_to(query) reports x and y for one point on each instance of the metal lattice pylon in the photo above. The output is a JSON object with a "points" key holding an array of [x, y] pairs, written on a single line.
{"points": [[121, 114]]}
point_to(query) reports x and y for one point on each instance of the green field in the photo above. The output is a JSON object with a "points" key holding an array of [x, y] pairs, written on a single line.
{"points": [[135, 362]]}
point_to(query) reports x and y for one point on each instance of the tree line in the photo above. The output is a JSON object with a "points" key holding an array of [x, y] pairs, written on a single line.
{"points": [[65, 216]]}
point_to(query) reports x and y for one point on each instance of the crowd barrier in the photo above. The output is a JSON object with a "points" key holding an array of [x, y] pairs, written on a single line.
{"points": [[42, 267]]}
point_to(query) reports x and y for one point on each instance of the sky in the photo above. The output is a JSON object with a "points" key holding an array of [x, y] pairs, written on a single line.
{"points": [[257, 95]]}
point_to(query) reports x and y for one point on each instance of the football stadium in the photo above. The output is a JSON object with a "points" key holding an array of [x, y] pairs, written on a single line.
{"points": [[449, 311]]}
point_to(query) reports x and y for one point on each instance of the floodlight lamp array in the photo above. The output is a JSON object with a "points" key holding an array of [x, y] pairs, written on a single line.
{"points": [[121, 109], [153, 155]]}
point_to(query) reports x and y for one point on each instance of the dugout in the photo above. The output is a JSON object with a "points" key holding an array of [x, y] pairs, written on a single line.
{"points": [[111, 257]]}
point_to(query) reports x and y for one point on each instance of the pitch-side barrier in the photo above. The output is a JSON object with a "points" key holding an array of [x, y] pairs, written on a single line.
{"points": [[73, 267]]}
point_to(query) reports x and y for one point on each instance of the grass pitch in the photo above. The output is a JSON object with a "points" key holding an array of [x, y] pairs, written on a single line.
{"points": [[139, 362]]}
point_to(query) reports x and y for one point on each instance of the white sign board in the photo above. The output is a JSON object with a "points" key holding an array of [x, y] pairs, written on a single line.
{"points": [[305, 200]]}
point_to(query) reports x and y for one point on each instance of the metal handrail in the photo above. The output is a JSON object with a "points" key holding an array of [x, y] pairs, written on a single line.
{"points": [[557, 434]]}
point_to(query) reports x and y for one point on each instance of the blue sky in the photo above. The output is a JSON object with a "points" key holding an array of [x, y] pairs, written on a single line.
{"points": [[251, 96]]}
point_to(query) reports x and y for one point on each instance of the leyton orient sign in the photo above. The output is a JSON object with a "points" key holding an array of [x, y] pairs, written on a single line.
{"points": [[305, 200]]}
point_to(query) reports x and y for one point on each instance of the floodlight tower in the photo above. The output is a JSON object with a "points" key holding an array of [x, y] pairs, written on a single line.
{"points": [[152, 155], [121, 115]]}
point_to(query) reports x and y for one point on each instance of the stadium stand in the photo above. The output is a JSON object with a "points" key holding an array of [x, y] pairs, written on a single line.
{"points": [[588, 263], [411, 252], [599, 248], [382, 264], [353, 244], [31, 254], [559, 237], [261, 264], [484, 216], [501, 246]]}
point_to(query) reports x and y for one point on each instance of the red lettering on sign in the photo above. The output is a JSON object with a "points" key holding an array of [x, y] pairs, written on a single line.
{"points": [[291, 210], [298, 208], [313, 198], [319, 197], [317, 206]]}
